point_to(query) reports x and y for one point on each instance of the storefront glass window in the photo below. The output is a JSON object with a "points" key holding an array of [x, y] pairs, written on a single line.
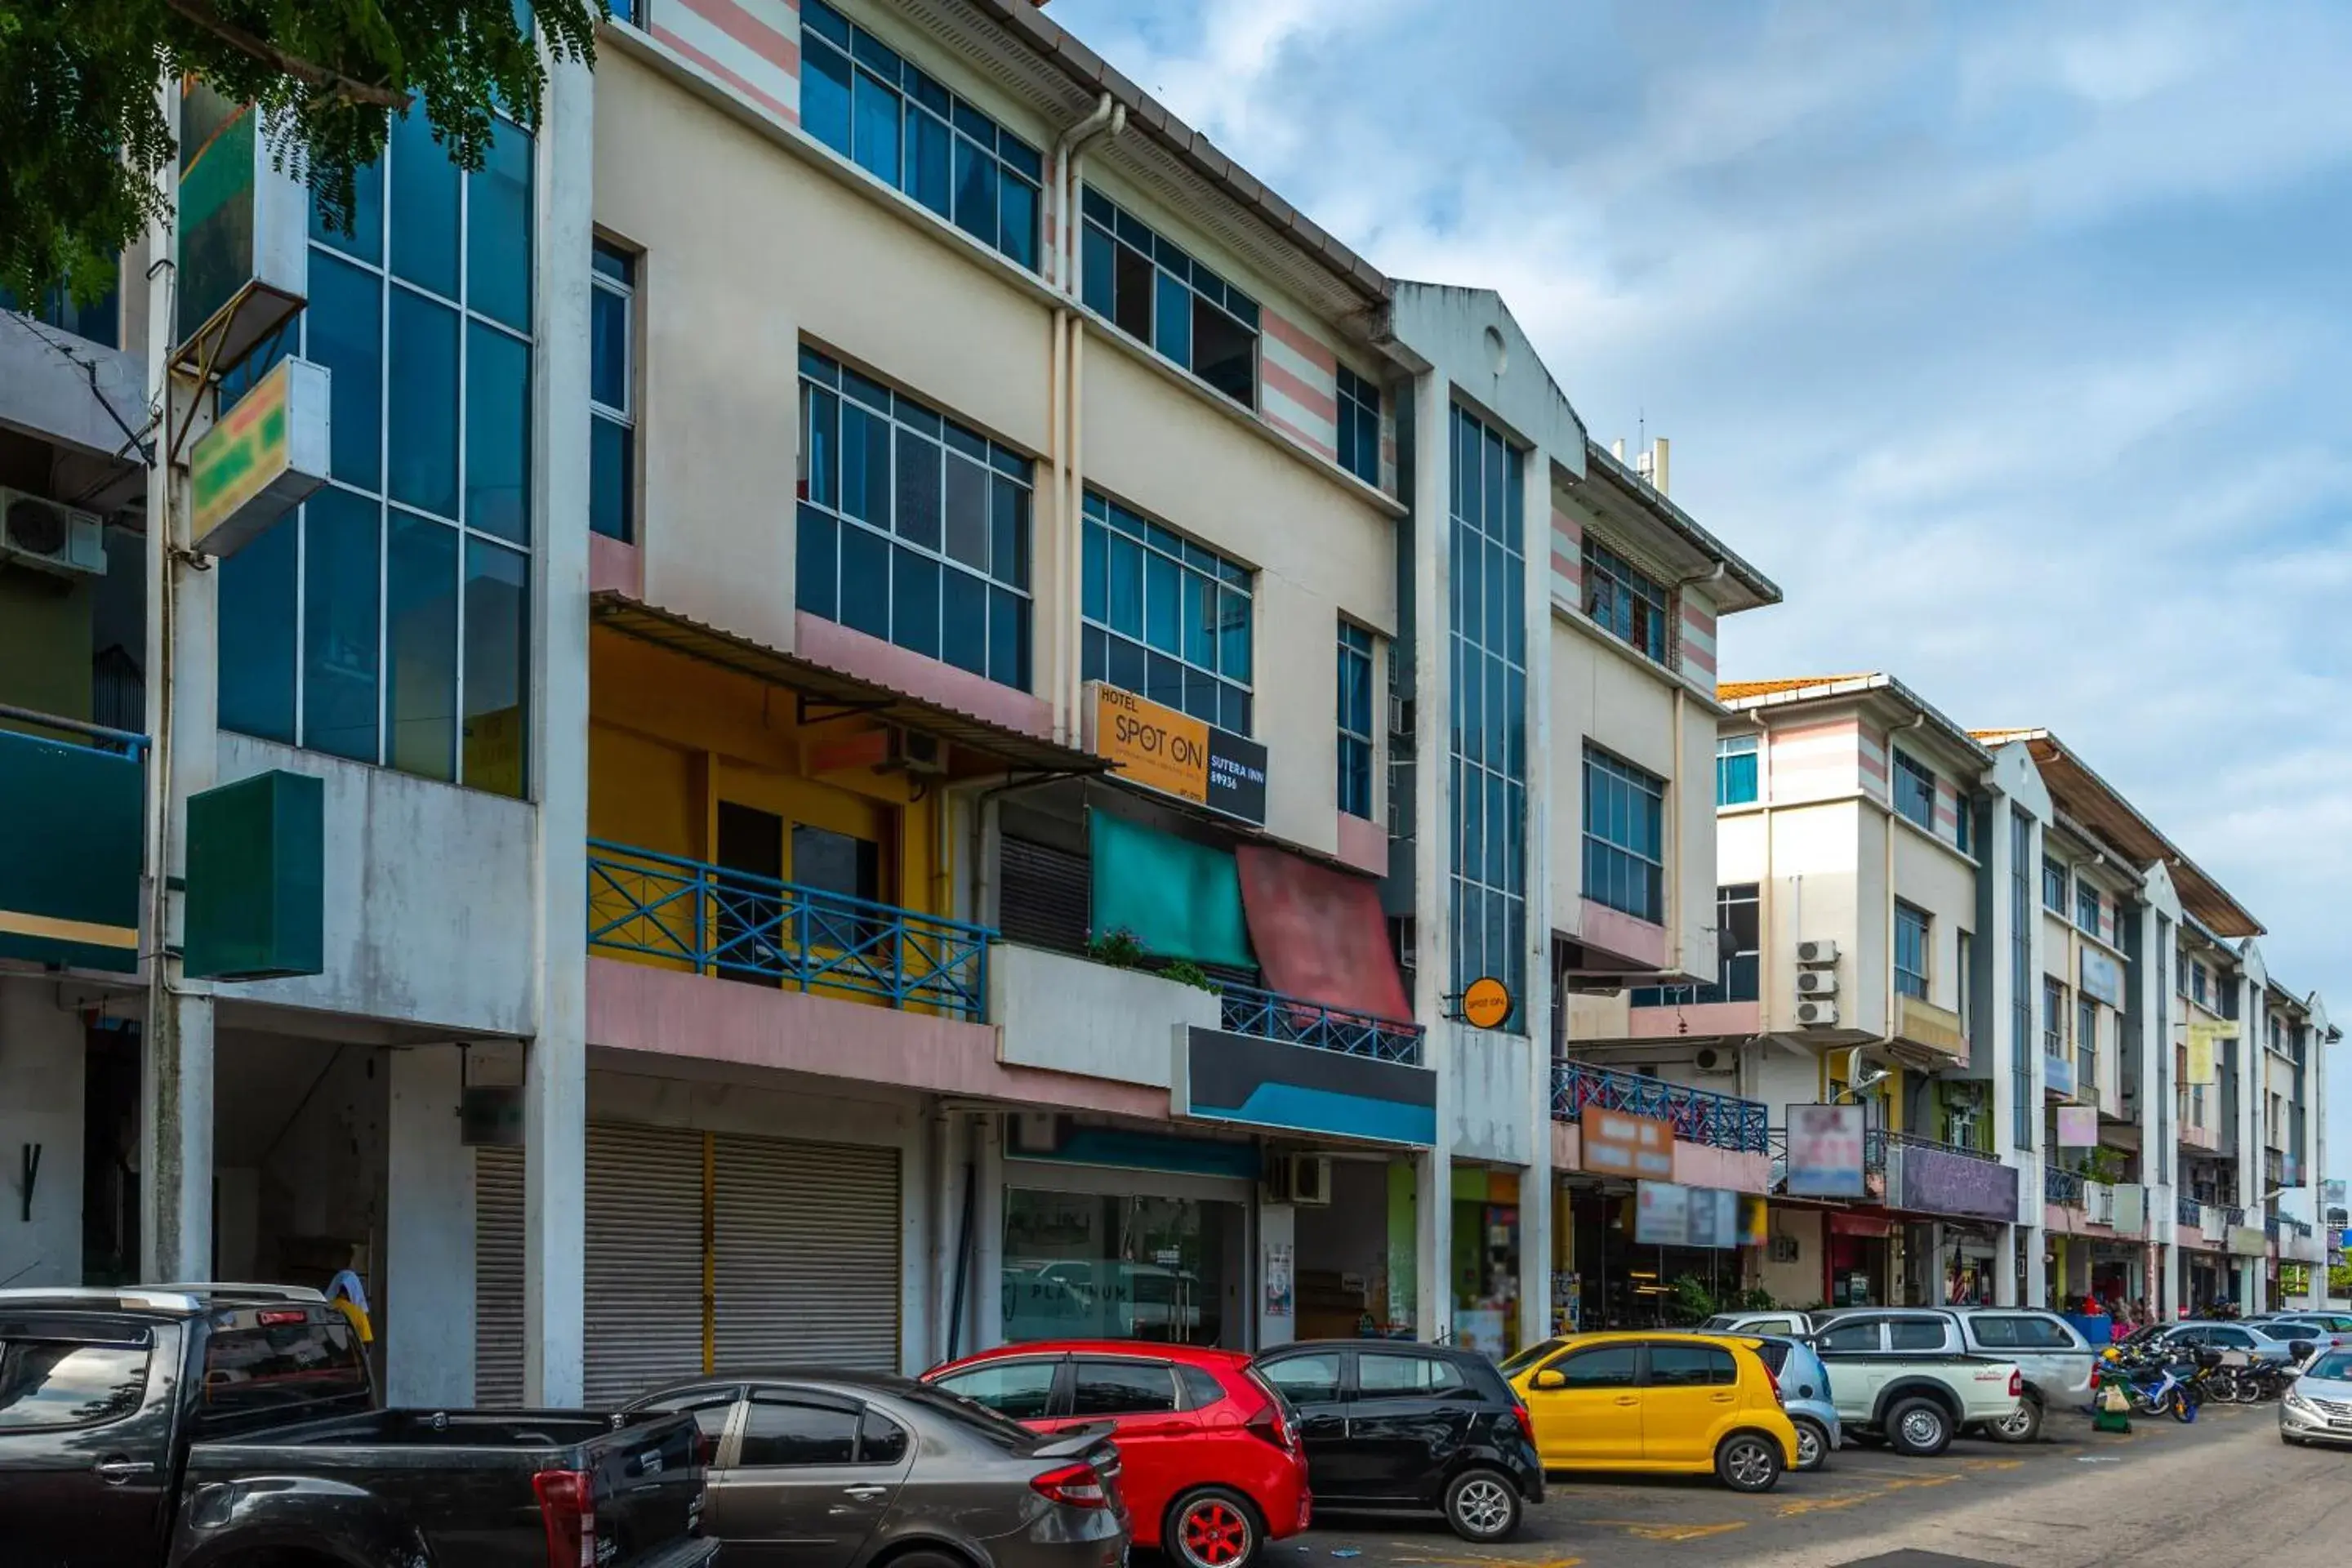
{"points": [[1085, 1265]]}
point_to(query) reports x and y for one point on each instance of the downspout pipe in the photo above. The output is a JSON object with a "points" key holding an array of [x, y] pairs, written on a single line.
{"points": [[1062, 397]]}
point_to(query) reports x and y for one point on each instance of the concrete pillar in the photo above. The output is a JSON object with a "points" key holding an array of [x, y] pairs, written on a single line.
{"points": [[1938, 1282], [1432, 1189], [175, 1169], [427, 1315], [988, 1236], [2037, 1271], [2004, 1267], [555, 1064]]}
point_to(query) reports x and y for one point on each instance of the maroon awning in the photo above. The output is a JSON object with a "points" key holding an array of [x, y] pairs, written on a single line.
{"points": [[1320, 934]]}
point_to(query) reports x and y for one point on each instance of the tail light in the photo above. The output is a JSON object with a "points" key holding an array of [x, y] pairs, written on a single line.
{"points": [[567, 1508], [1272, 1421], [1518, 1416], [1774, 1379], [2016, 1385], [1073, 1486]]}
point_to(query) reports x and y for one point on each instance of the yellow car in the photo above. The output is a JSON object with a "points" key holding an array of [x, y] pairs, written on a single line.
{"points": [[1657, 1402]]}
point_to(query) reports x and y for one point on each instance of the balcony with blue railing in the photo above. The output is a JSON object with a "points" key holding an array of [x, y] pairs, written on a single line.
{"points": [[1270, 1015], [739, 925], [1698, 1116], [2062, 1188], [2191, 1213]]}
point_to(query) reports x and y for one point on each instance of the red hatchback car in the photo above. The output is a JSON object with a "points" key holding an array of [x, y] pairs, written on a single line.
{"points": [[1211, 1462]]}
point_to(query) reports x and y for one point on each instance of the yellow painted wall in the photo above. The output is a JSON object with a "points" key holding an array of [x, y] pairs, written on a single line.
{"points": [[671, 737]]}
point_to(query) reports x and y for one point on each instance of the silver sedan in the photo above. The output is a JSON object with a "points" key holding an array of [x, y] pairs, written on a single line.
{"points": [[2317, 1406]]}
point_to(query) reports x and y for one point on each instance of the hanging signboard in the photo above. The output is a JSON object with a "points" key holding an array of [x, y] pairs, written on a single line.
{"points": [[2204, 1048], [2078, 1127], [1617, 1144], [1825, 1151], [1665, 1215], [2103, 977], [1162, 749], [261, 459]]}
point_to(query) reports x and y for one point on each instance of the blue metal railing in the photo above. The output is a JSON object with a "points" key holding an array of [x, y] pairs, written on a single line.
{"points": [[2064, 1188], [2190, 1212], [1699, 1116], [745, 926], [1272, 1017]]}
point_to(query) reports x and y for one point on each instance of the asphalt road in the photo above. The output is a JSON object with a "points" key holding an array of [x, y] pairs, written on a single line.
{"points": [[2223, 1490]]}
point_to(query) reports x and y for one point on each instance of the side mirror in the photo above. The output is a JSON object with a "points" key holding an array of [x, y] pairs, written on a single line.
{"points": [[1549, 1379]]}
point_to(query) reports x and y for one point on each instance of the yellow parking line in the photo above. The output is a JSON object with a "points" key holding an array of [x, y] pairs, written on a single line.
{"points": [[1668, 1532], [1827, 1504], [1992, 1463]]}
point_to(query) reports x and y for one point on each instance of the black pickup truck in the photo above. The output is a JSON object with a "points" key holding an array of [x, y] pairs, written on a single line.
{"points": [[228, 1427]]}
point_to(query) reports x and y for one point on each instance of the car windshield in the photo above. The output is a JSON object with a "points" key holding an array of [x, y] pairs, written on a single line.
{"points": [[1529, 1356], [2333, 1367], [2275, 1334]]}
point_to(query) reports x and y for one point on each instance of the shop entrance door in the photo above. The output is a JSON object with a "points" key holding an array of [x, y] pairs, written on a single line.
{"points": [[1108, 1266]]}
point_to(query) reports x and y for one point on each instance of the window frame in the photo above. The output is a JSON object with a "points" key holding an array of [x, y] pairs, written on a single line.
{"points": [[1649, 791], [1170, 263], [1636, 591], [1730, 750], [1056, 1368], [2057, 881], [1104, 516], [2088, 901], [1912, 789], [2055, 1020], [1074, 1376], [1357, 646], [906, 419], [1911, 981], [625, 288], [1357, 447]]}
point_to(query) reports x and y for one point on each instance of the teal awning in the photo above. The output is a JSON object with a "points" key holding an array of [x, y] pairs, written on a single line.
{"points": [[1178, 899]]}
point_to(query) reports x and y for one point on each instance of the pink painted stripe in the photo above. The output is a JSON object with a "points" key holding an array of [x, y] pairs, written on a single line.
{"points": [[751, 32], [1294, 338], [1781, 737], [1698, 657], [765, 100], [1695, 616], [1874, 768], [1310, 397], [1312, 443], [1568, 566]]}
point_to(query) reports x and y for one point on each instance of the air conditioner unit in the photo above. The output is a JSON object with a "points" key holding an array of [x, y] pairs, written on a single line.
{"points": [[1822, 1015], [50, 537], [912, 752], [1304, 1179], [1710, 1060], [1816, 982], [1816, 954]]}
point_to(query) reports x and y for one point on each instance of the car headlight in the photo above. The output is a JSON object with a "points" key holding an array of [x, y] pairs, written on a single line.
{"points": [[2293, 1400]]}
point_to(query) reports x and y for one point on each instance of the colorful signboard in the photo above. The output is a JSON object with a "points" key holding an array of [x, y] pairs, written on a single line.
{"points": [[1172, 752], [2058, 1074], [1928, 1180], [1487, 1002], [2248, 1241], [1665, 1215], [2078, 1127], [1223, 1077], [1618, 1144], [1825, 1151], [2204, 1048], [261, 459], [2102, 977]]}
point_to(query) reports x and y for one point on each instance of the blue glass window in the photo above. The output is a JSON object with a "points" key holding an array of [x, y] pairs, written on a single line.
{"points": [[1911, 928], [1359, 426], [1915, 792], [1740, 945], [1624, 601], [869, 103], [912, 528], [1736, 781], [386, 620], [1487, 737], [1152, 290], [1355, 720], [99, 322], [1624, 836], [1165, 618], [612, 393]]}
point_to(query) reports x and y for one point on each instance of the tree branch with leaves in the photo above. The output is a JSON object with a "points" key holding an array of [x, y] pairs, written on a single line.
{"points": [[83, 138]]}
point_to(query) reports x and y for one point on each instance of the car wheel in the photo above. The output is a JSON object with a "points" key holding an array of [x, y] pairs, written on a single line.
{"points": [[1483, 1505], [2291, 1442], [1812, 1446], [1748, 1462], [2022, 1428], [1211, 1528], [1919, 1427]]}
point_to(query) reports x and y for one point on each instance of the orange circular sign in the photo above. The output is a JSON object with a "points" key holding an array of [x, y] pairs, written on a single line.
{"points": [[1486, 1003]]}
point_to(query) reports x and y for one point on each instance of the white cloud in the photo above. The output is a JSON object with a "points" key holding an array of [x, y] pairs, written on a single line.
{"points": [[2007, 338]]}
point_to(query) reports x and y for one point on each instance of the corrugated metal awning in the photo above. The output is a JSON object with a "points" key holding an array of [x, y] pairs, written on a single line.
{"points": [[836, 687]]}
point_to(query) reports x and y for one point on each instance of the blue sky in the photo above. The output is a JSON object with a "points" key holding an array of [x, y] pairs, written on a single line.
{"points": [[2010, 339]]}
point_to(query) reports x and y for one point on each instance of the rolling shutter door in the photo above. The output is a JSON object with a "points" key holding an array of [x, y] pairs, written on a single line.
{"points": [[644, 1261], [1043, 895], [498, 1276], [808, 1238]]}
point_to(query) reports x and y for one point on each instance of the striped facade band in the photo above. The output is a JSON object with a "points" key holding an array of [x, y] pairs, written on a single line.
{"points": [[750, 45]]}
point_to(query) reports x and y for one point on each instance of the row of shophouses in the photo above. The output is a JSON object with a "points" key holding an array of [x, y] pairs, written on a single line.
{"points": [[913, 714]]}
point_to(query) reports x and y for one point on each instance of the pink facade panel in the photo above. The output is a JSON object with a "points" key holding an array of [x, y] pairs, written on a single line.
{"points": [[1638, 941], [852, 652], [1298, 385], [752, 45]]}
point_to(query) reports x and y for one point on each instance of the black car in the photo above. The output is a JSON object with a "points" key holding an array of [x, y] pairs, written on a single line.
{"points": [[1424, 1429]]}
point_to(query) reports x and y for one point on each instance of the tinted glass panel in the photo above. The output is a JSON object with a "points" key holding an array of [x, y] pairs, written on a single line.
{"points": [[497, 230], [1200, 1390], [1916, 1334], [424, 207], [340, 571], [49, 1384], [424, 413], [247, 1370], [880, 1440], [778, 1432], [344, 332], [1305, 1379], [710, 1411], [1856, 1336], [1612, 1366], [1019, 1389], [497, 432], [257, 634], [1123, 1388], [497, 625], [421, 645], [1692, 1366]]}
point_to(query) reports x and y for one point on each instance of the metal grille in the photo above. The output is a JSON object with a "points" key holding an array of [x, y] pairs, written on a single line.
{"points": [[644, 1261], [1044, 896], [498, 1276], [808, 1237]]}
